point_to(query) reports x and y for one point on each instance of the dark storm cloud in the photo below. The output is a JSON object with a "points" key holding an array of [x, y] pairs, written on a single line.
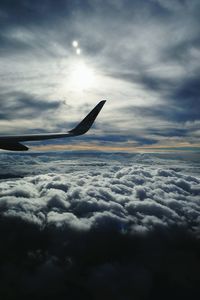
{"points": [[22, 12], [167, 132], [17, 105], [181, 100], [33, 18], [28, 12], [117, 232], [8, 46], [180, 51], [187, 97]]}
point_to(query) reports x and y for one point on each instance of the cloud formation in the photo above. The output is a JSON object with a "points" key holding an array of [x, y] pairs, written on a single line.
{"points": [[150, 75], [122, 193], [100, 231]]}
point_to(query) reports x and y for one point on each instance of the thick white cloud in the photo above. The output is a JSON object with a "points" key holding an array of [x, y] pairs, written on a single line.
{"points": [[126, 196], [100, 226]]}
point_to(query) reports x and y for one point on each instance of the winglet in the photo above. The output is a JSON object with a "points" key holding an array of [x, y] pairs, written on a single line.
{"points": [[87, 122]]}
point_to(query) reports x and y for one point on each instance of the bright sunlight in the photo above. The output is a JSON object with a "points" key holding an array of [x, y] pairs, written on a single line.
{"points": [[82, 76]]}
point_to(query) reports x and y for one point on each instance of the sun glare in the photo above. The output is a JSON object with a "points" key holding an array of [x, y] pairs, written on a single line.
{"points": [[78, 51], [82, 77]]}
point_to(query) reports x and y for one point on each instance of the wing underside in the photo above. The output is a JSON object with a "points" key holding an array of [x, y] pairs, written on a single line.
{"points": [[13, 146], [13, 143]]}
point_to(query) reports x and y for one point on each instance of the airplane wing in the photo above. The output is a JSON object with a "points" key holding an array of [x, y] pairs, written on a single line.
{"points": [[13, 142]]}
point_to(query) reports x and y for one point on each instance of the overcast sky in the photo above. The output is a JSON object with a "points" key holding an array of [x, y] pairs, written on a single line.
{"points": [[59, 58]]}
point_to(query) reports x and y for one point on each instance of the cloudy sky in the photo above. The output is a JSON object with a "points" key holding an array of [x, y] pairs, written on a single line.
{"points": [[59, 58], [100, 225]]}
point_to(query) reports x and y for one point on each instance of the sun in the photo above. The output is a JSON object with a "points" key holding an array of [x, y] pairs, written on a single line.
{"points": [[82, 76]]}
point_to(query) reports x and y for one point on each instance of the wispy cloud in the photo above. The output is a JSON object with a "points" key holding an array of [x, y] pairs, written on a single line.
{"points": [[144, 56]]}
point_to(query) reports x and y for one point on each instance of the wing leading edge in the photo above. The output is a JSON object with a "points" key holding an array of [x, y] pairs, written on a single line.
{"points": [[13, 143]]}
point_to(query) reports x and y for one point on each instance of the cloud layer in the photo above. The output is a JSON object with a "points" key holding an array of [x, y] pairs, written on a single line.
{"points": [[131, 196], [110, 231]]}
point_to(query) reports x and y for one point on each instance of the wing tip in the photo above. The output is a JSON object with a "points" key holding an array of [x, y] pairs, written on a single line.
{"points": [[87, 122], [102, 102]]}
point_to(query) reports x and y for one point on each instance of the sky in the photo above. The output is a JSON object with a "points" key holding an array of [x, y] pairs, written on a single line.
{"points": [[109, 222], [59, 58]]}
